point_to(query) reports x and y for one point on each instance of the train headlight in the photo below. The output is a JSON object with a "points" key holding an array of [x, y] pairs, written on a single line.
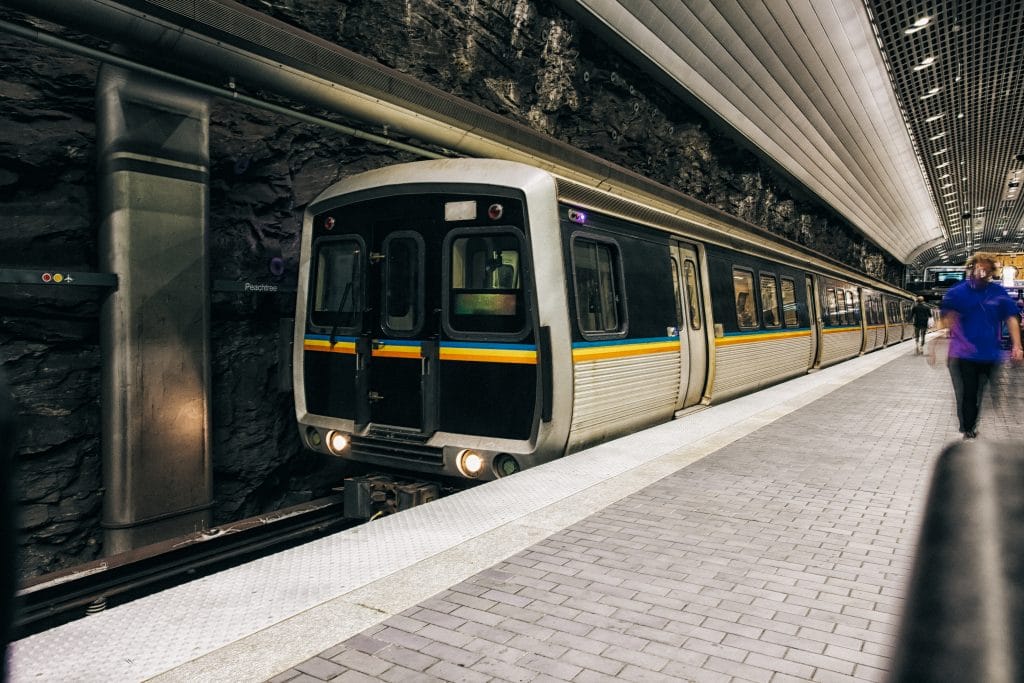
{"points": [[336, 442], [469, 462]]}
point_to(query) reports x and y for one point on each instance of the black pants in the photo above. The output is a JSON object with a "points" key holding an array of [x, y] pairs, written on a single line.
{"points": [[919, 334], [969, 380]]}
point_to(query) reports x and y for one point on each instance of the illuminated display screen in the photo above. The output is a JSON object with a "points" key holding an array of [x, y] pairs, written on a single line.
{"points": [[490, 303], [949, 276]]}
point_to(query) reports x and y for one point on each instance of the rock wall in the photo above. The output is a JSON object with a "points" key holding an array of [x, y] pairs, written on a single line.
{"points": [[522, 58]]}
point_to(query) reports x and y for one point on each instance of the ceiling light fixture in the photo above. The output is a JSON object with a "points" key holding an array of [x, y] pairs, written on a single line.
{"points": [[918, 25]]}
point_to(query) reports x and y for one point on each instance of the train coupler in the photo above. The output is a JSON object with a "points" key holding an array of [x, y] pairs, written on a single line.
{"points": [[376, 495]]}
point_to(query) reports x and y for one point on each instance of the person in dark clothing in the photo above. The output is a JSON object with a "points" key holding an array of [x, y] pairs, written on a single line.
{"points": [[8, 567], [922, 314], [974, 311]]}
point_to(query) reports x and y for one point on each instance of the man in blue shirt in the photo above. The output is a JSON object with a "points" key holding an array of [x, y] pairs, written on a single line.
{"points": [[974, 312]]}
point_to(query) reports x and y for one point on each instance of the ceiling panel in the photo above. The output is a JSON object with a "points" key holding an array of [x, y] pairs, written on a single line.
{"points": [[807, 83]]}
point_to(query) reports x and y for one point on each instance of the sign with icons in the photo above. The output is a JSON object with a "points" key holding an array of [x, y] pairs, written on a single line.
{"points": [[18, 276]]}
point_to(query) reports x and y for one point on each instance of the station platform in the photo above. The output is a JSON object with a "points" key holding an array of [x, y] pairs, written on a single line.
{"points": [[769, 538]]}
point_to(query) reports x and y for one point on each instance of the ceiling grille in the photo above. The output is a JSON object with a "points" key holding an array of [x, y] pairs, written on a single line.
{"points": [[959, 78]]}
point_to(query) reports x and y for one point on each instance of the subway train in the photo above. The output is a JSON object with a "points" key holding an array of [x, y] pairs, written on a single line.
{"points": [[468, 318]]}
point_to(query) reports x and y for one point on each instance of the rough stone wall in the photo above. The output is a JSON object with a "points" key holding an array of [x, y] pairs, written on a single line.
{"points": [[49, 339], [528, 60], [522, 58]]}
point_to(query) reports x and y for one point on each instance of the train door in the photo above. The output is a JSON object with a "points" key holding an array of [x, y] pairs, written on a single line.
{"points": [[814, 321], [691, 326], [396, 351]]}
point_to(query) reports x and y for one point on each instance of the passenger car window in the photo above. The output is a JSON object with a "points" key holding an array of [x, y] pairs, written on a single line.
{"points": [[743, 290], [485, 293], [852, 314], [789, 313], [337, 283], [597, 272], [769, 301], [832, 306]]}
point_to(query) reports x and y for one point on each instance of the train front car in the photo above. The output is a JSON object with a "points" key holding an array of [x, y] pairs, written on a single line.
{"points": [[422, 343]]}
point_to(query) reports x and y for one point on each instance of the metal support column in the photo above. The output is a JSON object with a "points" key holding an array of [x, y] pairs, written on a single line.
{"points": [[153, 149]]}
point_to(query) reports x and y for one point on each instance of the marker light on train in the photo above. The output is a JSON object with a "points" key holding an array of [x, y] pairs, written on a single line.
{"points": [[329, 223], [336, 442], [495, 211], [577, 216], [313, 437], [469, 462]]}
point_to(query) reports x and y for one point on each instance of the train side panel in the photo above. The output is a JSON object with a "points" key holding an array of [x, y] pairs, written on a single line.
{"points": [[762, 326], [622, 313], [874, 320], [842, 336]]}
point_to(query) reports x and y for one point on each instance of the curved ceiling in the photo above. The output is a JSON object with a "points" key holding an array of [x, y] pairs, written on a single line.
{"points": [[958, 71], [805, 82]]}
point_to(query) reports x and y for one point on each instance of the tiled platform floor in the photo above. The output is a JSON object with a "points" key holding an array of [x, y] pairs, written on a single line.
{"points": [[765, 539], [781, 557]]}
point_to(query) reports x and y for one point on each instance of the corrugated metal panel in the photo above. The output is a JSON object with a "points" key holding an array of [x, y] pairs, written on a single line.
{"points": [[894, 332], [876, 338], [623, 390], [839, 346], [742, 367]]}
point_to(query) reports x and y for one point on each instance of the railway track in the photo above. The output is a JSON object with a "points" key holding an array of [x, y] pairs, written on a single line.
{"points": [[59, 597]]}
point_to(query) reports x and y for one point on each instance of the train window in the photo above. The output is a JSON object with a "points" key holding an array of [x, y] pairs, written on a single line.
{"points": [[852, 314], [789, 313], [692, 301], [743, 289], [832, 306], [337, 284], [485, 292], [676, 291], [402, 295], [597, 273], [769, 301]]}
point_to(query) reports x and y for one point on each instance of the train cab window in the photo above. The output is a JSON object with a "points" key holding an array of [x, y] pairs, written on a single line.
{"points": [[337, 283], [402, 294], [789, 313], [692, 301], [485, 284], [597, 273], [769, 301], [743, 290]]}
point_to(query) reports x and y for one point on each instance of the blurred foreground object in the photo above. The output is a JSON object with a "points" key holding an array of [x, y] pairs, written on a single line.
{"points": [[965, 604]]}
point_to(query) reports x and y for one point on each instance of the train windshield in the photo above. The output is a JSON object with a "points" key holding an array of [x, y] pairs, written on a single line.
{"points": [[336, 289], [485, 283]]}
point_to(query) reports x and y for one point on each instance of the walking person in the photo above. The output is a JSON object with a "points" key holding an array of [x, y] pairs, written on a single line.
{"points": [[974, 312], [922, 313]]}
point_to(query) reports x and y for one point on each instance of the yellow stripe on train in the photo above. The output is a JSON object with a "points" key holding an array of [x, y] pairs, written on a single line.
{"points": [[485, 355], [752, 338], [622, 350], [325, 346]]}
